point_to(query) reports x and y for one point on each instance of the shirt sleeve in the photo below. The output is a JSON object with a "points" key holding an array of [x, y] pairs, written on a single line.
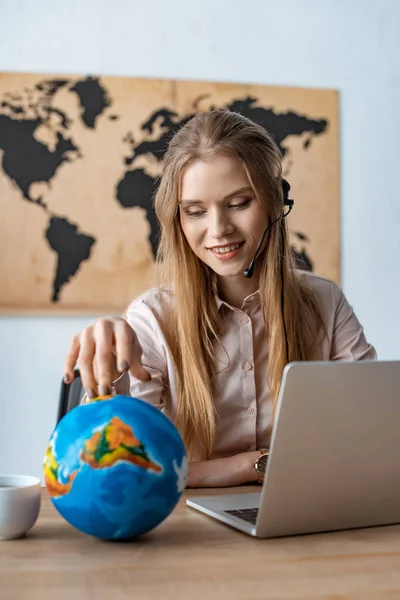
{"points": [[147, 329], [348, 340]]}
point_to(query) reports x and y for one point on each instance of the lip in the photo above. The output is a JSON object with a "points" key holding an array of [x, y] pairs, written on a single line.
{"points": [[224, 245], [226, 255]]}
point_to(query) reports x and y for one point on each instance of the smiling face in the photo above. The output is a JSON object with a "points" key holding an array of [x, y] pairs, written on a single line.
{"points": [[221, 217]]}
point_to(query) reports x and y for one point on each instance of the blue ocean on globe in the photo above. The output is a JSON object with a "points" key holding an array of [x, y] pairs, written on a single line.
{"points": [[115, 468]]}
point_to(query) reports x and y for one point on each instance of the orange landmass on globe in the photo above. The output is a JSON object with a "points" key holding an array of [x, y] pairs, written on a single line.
{"points": [[113, 443], [51, 475]]}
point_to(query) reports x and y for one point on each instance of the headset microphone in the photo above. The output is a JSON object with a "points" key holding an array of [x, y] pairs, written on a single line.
{"points": [[289, 203]]}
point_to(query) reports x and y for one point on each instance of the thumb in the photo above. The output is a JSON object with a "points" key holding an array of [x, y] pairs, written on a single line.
{"points": [[136, 368], [139, 372]]}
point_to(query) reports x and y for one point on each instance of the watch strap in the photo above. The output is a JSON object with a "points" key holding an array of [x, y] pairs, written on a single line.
{"points": [[260, 476]]}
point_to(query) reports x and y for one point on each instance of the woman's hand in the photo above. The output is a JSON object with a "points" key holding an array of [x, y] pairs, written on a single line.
{"points": [[223, 472], [102, 351]]}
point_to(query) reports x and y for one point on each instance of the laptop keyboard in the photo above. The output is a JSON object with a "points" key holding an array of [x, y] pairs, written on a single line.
{"points": [[247, 514]]}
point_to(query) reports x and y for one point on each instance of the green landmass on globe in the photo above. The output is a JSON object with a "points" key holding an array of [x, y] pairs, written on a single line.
{"points": [[110, 444]]}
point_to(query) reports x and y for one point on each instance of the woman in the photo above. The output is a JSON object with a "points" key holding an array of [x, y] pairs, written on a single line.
{"points": [[208, 346]]}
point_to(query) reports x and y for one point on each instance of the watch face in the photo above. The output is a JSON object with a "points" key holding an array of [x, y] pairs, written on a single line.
{"points": [[262, 464]]}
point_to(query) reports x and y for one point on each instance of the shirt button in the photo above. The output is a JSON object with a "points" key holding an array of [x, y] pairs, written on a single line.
{"points": [[251, 411], [248, 366], [244, 320]]}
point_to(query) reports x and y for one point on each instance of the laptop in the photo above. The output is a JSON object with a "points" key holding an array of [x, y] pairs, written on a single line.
{"points": [[334, 459]]}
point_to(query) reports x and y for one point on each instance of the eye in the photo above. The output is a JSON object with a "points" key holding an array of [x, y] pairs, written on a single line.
{"points": [[194, 213], [239, 205]]}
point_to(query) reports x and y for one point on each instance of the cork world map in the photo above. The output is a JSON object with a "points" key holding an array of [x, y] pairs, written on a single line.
{"points": [[80, 157]]}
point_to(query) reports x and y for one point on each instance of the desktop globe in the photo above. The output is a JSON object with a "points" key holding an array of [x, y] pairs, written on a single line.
{"points": [[115, 467]]}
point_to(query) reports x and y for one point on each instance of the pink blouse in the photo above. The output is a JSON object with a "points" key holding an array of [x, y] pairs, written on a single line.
{"points": [[243, 402]]}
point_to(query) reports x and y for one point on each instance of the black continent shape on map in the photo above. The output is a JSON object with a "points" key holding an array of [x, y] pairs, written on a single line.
{"points": [[302, 260], [65, 120], [50, 86], [26, 160], [137, 188], [165, 120], [280, 125], [93, 98], [71, 247], [17, 110]]}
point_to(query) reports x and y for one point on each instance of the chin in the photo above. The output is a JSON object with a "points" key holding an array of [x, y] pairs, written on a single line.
{"points": [[229, 271], [231, 268]]}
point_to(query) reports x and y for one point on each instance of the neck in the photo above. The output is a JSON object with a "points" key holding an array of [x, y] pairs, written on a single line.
{"points": [[234, 290]]}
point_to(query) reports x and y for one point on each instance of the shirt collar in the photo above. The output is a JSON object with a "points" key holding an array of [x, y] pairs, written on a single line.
{"points": [[248, 301]]}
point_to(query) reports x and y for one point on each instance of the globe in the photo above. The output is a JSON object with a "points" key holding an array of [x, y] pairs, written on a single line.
{"points": [[115, 467]]}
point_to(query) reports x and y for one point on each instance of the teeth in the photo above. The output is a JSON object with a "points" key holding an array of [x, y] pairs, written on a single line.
{"points": [[226, 249]]}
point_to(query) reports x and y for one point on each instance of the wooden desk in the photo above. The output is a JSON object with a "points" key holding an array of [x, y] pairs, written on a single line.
{"points": [[191, 556]]}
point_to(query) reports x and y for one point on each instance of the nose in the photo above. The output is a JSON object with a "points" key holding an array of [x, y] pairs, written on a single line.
{"points": [[219, 225]]}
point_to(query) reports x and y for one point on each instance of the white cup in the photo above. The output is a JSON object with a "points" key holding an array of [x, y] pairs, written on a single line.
{"points": [[19, 505]]}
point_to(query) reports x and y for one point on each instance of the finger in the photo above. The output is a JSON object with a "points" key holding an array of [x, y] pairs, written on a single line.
{"points": [[104, 357], [85, 362], [136, 367], [124, 345], [71, 359]]}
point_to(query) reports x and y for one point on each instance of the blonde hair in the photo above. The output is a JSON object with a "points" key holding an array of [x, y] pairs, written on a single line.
{"points": [[192, 329]]}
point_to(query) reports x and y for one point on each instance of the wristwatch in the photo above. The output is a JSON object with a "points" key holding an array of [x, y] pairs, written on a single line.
{"points": [[261, 464]]}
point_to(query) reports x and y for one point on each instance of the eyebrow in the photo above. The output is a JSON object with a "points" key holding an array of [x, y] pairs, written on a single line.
{"points": [[241, 190]]}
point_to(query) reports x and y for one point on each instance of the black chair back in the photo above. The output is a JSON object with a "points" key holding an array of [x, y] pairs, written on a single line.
{"points": [[71, 395]]}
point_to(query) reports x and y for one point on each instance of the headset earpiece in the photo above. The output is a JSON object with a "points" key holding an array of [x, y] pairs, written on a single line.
{"points": [[285, 188], [286, 200]]}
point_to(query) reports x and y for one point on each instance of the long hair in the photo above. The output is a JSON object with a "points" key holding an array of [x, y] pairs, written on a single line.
{"points": [[193, 327]]}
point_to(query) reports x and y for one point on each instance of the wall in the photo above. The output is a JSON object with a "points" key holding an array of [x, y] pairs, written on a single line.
{"points": [[349, 45]]}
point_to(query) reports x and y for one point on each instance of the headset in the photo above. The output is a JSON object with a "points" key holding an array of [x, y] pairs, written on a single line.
{"points": [[250, 269]]}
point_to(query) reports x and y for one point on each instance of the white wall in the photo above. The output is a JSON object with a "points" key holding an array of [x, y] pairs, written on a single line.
{"points": [[349, 45]]}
